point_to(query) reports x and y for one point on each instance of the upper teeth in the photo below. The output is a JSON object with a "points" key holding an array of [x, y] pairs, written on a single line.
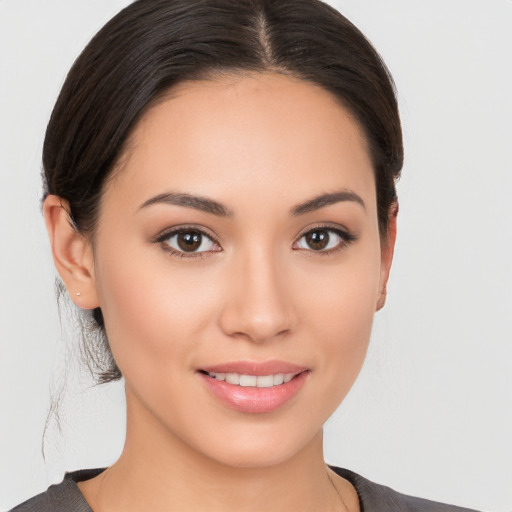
{"points": [[259, 381]]}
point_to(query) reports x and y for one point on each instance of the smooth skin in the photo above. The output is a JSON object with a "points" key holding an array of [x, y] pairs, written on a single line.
{"points": [[255, 289]]}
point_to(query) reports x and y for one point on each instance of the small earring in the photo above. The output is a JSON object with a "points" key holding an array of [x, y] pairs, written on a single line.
{"points": [[78, 293]]}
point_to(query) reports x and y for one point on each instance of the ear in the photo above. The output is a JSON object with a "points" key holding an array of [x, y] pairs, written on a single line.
{"points": [[387, 251], [72, 253]]}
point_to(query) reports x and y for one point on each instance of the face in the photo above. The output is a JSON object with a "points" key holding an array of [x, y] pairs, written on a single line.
{"points": [[239, 243]]}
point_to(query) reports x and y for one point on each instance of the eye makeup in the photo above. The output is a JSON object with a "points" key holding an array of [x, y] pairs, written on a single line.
{"points": [[322, 237], [192, 241], [193, 237]]}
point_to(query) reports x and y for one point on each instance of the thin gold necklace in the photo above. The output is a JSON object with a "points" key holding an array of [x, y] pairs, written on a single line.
{"points": [[345, 508]]}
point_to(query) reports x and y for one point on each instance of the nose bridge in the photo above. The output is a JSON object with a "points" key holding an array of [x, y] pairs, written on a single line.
{"points": [[259, 307]]}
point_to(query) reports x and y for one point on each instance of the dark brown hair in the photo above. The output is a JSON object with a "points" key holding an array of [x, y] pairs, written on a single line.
{"points": [[152, 45]]}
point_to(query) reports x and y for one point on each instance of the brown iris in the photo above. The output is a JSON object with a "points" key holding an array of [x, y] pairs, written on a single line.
{"points": [[317, 240], [189, 240]]}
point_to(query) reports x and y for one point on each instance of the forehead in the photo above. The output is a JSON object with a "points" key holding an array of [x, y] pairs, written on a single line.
{"points": [[258, 133]]}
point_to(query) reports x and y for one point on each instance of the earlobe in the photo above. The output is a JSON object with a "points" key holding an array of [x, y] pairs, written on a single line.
{"points": [[72, 253], [387, 251]]}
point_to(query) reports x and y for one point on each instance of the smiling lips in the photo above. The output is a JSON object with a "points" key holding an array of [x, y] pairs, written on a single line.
{"points": [[254, 387]]}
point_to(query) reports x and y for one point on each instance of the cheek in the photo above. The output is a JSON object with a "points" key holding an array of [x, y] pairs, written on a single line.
{"points": [[341, 307], [342, 295], [153, 314]]}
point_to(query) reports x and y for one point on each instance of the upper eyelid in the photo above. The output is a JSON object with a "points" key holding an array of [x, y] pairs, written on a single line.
{"points": [[326, 227]]}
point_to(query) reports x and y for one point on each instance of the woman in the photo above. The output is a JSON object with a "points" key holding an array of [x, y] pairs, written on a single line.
{"points": [[220, 198]]}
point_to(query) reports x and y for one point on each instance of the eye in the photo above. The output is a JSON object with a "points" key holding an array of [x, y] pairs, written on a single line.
{"points": [[324, 239], [188, 242]]}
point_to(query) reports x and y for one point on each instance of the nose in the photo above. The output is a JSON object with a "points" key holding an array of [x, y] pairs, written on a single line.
{"points": [[257, 307]]}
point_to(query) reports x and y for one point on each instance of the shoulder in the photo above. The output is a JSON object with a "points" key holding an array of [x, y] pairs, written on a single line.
{"points": [[379, 498], [63, 497]]}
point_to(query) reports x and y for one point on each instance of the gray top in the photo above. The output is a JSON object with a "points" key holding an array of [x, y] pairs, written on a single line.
{"points": [[66, 497]]}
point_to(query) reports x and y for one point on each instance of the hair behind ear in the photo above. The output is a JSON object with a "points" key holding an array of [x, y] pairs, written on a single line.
{"points": [[387, 253]]}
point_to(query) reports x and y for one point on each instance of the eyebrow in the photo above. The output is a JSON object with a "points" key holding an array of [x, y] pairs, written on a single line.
{"points": [[326, 200], [190, 201], [213, 207]]}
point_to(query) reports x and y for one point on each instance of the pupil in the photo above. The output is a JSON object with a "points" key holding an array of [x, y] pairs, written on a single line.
{"points": [[318, 240], [189, 241]]}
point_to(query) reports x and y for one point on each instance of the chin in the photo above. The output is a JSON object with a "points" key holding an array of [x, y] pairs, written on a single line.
{"points": [[260, 449]]}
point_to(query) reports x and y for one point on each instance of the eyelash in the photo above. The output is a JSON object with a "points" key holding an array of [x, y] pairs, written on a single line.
{"points": [[347, 239], [162, 238]]}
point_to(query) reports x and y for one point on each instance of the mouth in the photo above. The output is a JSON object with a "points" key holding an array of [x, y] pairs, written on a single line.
{"points": [[250, 387]]}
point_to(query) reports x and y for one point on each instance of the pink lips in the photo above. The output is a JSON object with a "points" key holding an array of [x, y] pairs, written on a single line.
{"points": [[255, 399]]}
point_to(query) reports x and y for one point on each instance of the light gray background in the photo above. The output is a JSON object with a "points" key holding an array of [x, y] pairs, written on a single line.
{"points": [[431, 414]]}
